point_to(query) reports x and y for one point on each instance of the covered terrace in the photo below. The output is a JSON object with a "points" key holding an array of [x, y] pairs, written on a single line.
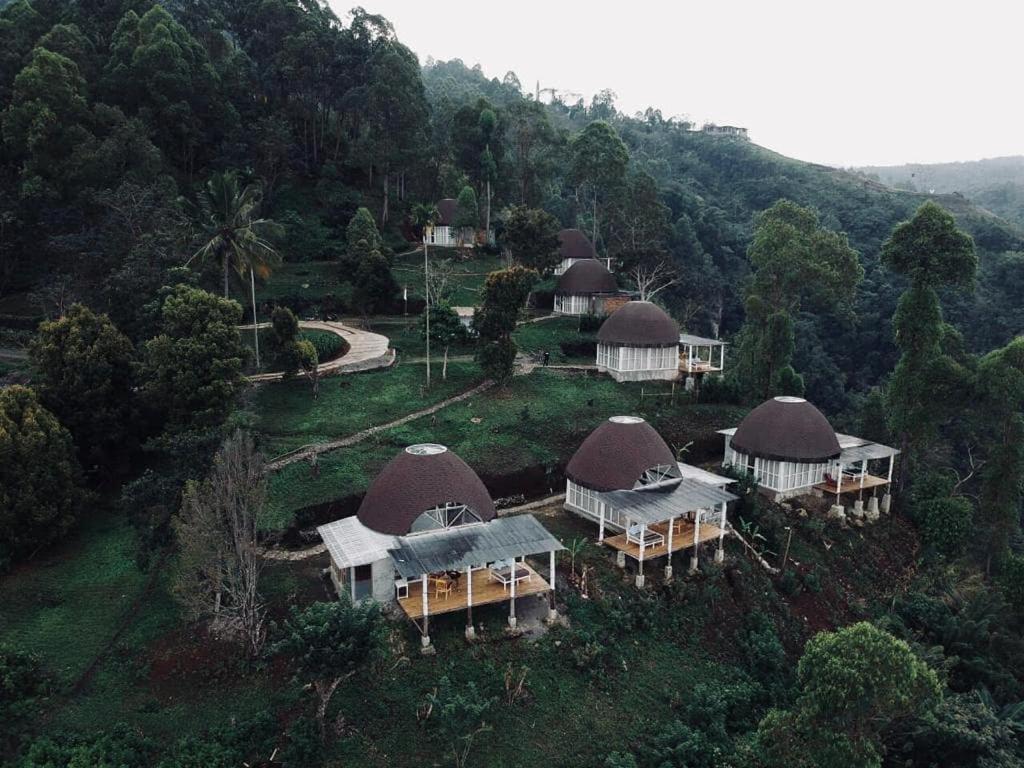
{"points": [[850, 474], [472, 565], [677, 515], [700, 355]]}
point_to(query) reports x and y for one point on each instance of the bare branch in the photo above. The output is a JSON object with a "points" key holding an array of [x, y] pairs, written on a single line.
{"points": [[652, 278]]}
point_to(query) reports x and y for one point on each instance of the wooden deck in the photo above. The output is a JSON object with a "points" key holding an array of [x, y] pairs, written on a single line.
{"points": [[852, 485], [485, 591], [699, 366], [683, 538]]}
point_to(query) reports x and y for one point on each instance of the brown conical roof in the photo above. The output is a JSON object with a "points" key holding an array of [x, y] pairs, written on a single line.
{"points": [[639, 323], [616, 454], [586, 277], [418, 479], [573, 244], [446, 211], [787, 429]]}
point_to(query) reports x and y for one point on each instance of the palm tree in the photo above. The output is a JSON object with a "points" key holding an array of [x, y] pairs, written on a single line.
{"points": [[233, 234]]}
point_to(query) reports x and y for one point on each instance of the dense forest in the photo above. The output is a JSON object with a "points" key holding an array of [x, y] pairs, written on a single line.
{"points": [[996, 184], [162, 164]]}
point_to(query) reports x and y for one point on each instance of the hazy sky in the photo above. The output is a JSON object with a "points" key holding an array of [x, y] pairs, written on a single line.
{"points": [[852, 83]]}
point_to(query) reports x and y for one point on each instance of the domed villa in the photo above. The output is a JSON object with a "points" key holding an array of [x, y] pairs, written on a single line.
{"points": [[573, 246], [625, 478], [444, 233], [426, 537], [585, 289], [791, 448], [639, 342]]}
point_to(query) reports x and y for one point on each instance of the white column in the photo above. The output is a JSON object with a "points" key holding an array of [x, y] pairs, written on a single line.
{"points": [[640, 565], [470, 629], [600, 522], [425, 640], [892, 460], [512, 602], [720, 552], [668, 559], [352, 582], [696, 539], [552, 611]]}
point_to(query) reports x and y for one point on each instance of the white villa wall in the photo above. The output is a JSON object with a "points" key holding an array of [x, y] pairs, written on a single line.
{"points": [[573, 304], [638, 363], [782, 478]]}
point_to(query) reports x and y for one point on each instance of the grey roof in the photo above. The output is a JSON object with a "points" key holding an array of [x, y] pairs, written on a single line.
{"points": [[350, 543], [456, 548], [657, 506], [699, 341], [691, 472], [866, 450]]}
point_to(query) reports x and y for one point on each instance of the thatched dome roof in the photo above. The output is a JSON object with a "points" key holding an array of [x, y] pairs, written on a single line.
{"points": [[616, 454], [787, 429], [418, 479], [446, 211], [587, 276], [639, 324], [573, 244]]}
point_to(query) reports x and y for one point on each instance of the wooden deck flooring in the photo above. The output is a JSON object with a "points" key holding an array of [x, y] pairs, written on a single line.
{"points": [[852, 485], [485, 591], [681, 539]]}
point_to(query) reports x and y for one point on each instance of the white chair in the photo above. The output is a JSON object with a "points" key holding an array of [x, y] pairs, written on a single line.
{"points": [[401, 588]]}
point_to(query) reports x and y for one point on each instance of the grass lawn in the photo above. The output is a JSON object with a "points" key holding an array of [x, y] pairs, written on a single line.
{"points": [[538, 420], [288, 417], [468, 276], [309, 281], [549, 335], [66, 605]]}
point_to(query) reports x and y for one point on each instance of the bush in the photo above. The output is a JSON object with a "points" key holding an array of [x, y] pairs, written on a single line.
{"points": [[945, 523], [329, 346], [22, 686], [789, 583], [590, 323]]}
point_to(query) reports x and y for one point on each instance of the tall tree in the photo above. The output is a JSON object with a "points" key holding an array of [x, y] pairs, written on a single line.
{"points": [[795, 260], [853, 683], [219, 563], [40, 496], [233, 233], [599, 159], [84, 372], [445, 329], [932, 252], [505, 293], [531, 236], [193, 369]]}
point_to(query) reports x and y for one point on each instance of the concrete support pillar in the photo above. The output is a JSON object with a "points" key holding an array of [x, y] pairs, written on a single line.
{"points": [[719, 555], [886, 504], [668, 571], [640, 581], [552, 611], [858, 508], [872, 513], [620, 558], [693, 563], [837, 512]]}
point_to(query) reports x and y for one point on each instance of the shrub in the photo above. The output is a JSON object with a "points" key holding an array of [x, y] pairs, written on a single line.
{"points": [[22, 685], [590, 323], [945, 523]]}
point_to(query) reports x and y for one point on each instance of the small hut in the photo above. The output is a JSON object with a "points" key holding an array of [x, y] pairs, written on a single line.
{"points": [[790, 448], [427, 539], [443, 232], [573, 246], [584, 289], [625, 478], [639, 342]]}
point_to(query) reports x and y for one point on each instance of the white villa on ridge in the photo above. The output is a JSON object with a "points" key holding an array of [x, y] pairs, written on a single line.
{"points": [[639, 342], [575, 246], [791, 449], [625, 478], [587, 288], [426, 539]]}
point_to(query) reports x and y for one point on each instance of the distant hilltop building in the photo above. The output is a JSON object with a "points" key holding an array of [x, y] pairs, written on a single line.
{"points": [[725, 130]]}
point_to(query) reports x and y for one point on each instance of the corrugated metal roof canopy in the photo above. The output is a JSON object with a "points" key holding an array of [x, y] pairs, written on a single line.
{"points": [[658, 506], [869, 451], [457, 548], [699, 341], [350, 543]]}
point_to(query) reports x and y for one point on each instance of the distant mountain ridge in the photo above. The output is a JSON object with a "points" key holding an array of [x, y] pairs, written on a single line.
{"points": [[996, 184]]}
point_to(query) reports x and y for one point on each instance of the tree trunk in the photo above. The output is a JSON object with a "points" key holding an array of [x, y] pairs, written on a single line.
{"points": [[224, 266], [426, 294], [325, 690], [487, 225], [255, 321], [595, 223], [444, 367], [384, 209]]}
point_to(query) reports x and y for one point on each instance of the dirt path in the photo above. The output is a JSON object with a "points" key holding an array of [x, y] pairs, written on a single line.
{"points": [[367, 350], [315, 449], [12, 354]]}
